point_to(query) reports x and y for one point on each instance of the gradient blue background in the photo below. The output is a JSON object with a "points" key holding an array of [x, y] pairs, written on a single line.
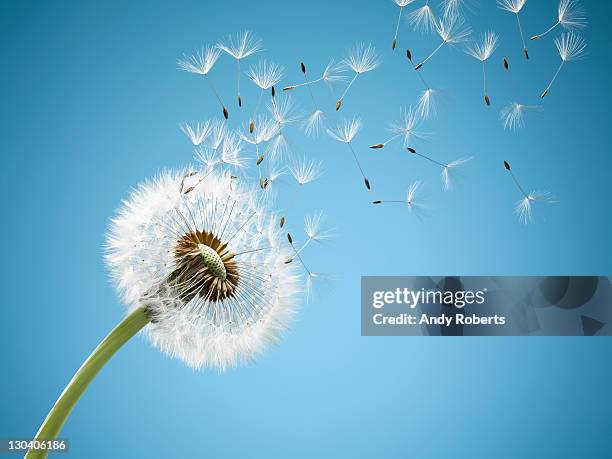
{"points": [[90, 100]]}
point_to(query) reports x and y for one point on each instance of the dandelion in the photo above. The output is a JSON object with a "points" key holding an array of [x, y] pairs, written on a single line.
{"points": [[513, 115], [201, 63], [423, 19], [452, 31], [483, 51], [360, 59], [197, 133], [448, 170], [426, 106], [524, 207], [313, 123], [571, 47], [202, 272], [345, 132], [402, 4], [453, 6], [305, 171], [218, 131], [412, 201], [333, 73], [240, 46], [515, 6], [265, 75], [284, 112], [406, 127], [570, 15], [315, 232]]}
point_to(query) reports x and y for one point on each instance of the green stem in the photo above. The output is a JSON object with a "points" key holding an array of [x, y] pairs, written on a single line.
{"points": [[56, 418]]}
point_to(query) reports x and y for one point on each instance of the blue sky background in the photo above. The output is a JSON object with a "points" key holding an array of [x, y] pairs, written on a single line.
{"points": [[91, 98]]}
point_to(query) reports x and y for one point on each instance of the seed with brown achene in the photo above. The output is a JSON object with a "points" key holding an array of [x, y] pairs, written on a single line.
{"points": [[303, 67], [487, 100], [367, 183], [507, 165], [251, 127], [282, 221], [376, 202], [225, 113], [260, 160], [338, 105], [411, 150], [378, 145]]}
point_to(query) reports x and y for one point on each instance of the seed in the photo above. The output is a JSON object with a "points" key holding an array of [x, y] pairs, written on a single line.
{"points": [[487, 100], [288, 88], [507, 165], [260, 160], [506, 65], [225, 113], [394, 43], [378, 145], [282, 221], [376, 202], [251, 127], [289, 238], [239, 101], [411, 150], [338, 105], [367, 183], [303, 67]]}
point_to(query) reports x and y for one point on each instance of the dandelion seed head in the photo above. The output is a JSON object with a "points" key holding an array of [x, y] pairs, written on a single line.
{"points": [[571, 46], [512, 6], [267, 129], [408, 125], [208, 265], [513, 115], [218, 131], [423, 19], [201, 62], [314, 227], [524, 207], [362, 58], [571, 14], [197, 133], [485, 48], [449, 172], [427, 106], [452, 29], [306, 170], [241, 45], [284, 110], [346, 130], [266, 74], [334, 72], [313, 123]]}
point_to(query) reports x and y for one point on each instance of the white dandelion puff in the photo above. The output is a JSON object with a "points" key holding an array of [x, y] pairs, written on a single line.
{"points": [[240, 46], [513, 115], [197, 133], [413, 200], [265, 75], [201, 63], [218, 131], [452, 30], [210, 272], [570, 15], [423, 18], [427, 104], [345, 132], [314, 227], [313, 123], [332, 73], [284, 110], [571, 47], [454, 6], [360, 59], [449, 170], [482, 51], [407, 127], [524, 207], [515, 7], [306, 170], [231, 151]]}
